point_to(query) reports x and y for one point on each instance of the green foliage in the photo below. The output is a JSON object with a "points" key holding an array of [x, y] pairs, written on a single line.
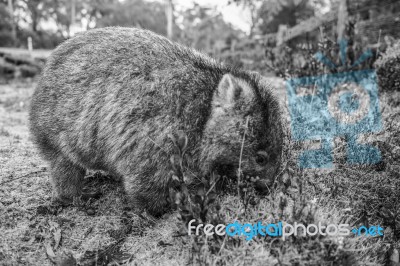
{"points": [[267, 16], [289, 201], [35, 11], [7, 69], [197, 203], [5, 26], [287, 12], [98, 13], [199, 27], [388, 69], [205, 29], [40, 39], [28, 71], [299, 59], [134, 13]]}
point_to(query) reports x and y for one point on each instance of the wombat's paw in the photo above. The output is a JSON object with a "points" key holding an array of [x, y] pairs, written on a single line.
{"points": [[133, 205], [158, 212], [263, 187], [86, 196], [144, 206], [47, 209], [149, 218], [63, 201], [68, 201]]}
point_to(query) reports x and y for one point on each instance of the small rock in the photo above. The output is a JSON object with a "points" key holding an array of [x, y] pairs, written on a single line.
{"points": [[90, 211], [66, 259]]}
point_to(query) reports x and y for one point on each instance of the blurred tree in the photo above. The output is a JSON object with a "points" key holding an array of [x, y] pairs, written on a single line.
{"points": [[205, 29], [67, 14], [6, 37], [283, 12], [12, 20], [94, 10], [33, 13], [371, 9], [169, 12], [36, 12], [254, 8], [61, 12], [267, 15], [135, 13]]}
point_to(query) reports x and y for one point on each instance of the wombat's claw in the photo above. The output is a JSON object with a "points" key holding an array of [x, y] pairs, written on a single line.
{"points": [[63, 201], [90, 195], [67, 201], [148, 217], [261, 187]]}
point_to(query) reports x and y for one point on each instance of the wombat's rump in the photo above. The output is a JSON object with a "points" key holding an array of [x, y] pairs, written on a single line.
{"points": [[108, 99]]}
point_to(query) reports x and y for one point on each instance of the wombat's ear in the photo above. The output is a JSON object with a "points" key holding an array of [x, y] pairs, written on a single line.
{"points": [[226, 91], [229, 90]]}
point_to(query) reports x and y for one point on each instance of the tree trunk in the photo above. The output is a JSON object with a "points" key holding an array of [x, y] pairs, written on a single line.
{"points": [[170, 18], [34, 22], [13, 26], [342, 19], [254, 16], [73, 15]]}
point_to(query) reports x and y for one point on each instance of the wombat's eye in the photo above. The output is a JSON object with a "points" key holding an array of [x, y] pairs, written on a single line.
{"points": [[261, 158]]}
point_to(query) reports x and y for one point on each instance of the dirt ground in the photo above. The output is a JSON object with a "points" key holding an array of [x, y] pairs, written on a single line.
{"points": [[33, 231]]}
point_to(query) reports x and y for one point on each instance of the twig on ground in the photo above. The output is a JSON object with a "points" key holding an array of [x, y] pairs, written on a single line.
{"points": [[8, 181]]}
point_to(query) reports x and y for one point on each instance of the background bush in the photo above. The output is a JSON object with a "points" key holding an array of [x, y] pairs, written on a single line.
{"points": [[388, 69]]}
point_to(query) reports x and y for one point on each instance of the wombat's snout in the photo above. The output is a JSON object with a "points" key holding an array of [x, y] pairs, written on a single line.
{"points": [[262, 186], [229, 170], [264, 177]]}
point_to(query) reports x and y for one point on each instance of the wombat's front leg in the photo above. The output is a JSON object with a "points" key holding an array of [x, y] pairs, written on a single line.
{"points": [[67, 179], [146, 195]]}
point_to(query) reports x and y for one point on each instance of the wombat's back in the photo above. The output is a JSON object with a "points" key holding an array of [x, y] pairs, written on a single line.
{"points": [[106, 87], [109, 99]]}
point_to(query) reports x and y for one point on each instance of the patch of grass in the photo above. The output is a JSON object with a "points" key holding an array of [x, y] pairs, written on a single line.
{"points": [[4, 132], [31, 225], [355, 195], [5, 150], [16, 103]]}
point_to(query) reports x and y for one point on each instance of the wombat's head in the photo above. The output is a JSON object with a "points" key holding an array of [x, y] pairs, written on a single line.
{"points": [[244, 129]]}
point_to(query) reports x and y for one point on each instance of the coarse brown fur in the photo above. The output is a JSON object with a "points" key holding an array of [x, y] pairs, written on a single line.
{"points": [[108, 99]]}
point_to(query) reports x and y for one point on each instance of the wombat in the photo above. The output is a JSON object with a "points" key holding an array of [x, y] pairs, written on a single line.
{"points": [[108, 99]]}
